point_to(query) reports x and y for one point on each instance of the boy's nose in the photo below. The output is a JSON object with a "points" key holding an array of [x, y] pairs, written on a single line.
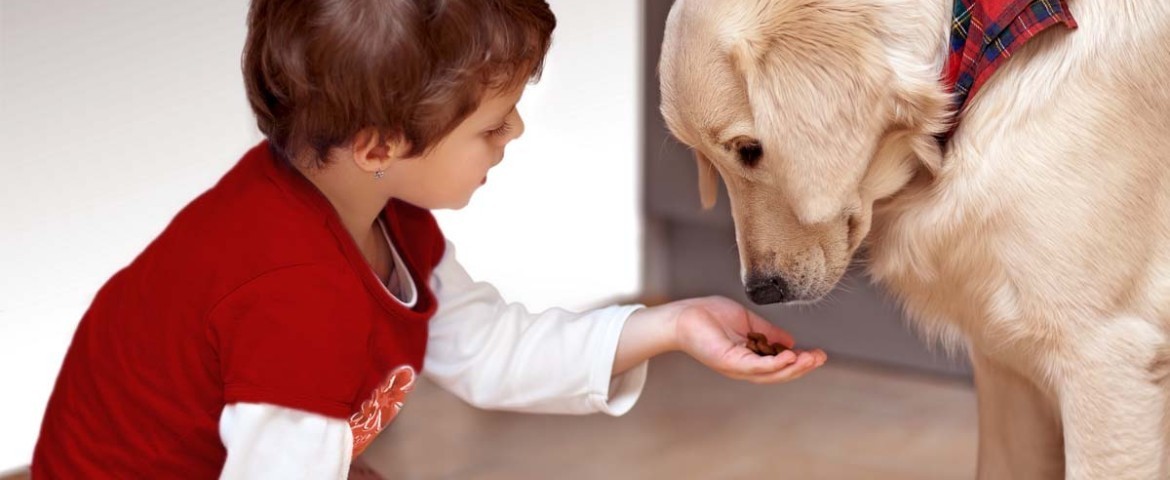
{"points": [[519, 127]]}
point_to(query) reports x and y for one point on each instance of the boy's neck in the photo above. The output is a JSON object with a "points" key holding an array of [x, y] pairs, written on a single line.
{"points": [[352, 195]]}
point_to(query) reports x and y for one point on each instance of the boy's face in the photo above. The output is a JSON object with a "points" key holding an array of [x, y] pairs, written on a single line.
{"points": [[447, 175]]}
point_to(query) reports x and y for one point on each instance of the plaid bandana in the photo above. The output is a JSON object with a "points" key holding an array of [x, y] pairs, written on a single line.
{"points": [[984, 33]]}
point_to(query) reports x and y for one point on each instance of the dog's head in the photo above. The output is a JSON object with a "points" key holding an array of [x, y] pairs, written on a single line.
{"points": [[809, 116]]}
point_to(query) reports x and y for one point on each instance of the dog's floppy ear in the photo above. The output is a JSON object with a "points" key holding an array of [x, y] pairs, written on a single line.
{"points": [[708, 181], [924, 109]]}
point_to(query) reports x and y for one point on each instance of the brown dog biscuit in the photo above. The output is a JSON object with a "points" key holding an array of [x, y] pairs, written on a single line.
{"points": [[758, 343]]}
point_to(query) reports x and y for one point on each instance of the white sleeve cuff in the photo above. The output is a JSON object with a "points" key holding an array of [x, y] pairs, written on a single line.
{"points": [[270, 442], [609, 394]]}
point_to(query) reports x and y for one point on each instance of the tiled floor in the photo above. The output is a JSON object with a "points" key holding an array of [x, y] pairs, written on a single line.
{"points": [[845, 421]]}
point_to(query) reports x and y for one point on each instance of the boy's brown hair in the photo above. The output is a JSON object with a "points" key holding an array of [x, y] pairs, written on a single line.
{"points": [[317, 72]]}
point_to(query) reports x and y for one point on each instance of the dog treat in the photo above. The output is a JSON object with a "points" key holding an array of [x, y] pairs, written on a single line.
{"points": [[758, 343]]}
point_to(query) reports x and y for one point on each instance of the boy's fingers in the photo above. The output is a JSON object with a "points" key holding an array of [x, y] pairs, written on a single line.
{"points": [[805, 363], [744, 362]]}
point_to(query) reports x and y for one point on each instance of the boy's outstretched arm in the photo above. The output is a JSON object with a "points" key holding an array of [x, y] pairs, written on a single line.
{"points": [[499, 355], [714, 331]]}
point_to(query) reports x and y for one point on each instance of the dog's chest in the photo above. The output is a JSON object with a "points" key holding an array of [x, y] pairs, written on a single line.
{"points": [[948, 260]]}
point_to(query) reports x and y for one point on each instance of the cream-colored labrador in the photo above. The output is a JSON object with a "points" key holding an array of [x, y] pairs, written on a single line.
{"points": [[1039, 238]]}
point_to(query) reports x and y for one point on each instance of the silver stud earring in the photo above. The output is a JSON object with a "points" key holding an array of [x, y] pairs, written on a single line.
{"points": [[379, 174]]}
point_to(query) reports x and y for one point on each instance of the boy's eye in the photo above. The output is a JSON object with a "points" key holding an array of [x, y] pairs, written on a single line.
{"points": [[501, 131]]}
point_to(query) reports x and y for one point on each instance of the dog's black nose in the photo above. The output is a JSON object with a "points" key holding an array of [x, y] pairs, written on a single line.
{"points": [[768, 289]]}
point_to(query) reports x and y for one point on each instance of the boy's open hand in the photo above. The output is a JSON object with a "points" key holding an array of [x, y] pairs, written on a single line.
{"points": [[714, 331]]}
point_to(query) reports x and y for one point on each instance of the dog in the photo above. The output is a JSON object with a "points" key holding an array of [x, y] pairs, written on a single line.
{"points": [[1036, 236]]}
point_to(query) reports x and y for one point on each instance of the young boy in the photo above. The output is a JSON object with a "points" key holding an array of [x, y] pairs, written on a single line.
{"points": [[280, 321]]}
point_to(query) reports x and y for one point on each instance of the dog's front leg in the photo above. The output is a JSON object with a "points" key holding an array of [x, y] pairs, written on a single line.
{"points": [[1111, 404], [1019, 427]]}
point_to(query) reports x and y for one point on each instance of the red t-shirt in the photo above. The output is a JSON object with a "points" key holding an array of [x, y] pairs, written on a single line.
{"points": [[254, 293]]}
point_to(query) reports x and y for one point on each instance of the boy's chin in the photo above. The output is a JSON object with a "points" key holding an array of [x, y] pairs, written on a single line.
{"points": [[456, 204]]}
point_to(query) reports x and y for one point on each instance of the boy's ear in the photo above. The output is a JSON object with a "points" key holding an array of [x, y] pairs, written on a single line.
{"points": [[373, 152]]}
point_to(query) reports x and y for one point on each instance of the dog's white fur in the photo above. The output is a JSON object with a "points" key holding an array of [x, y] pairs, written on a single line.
{"points": [[1040, 238]]}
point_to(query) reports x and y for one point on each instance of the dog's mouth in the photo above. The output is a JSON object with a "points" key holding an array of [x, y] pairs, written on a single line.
{"points": [[807, 280]]}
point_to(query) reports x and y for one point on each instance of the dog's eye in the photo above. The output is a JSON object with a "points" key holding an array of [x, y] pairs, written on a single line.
{"points": [[750, 152]]}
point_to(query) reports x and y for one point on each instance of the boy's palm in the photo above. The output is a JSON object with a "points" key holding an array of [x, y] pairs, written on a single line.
{"points": [[714, 331]]}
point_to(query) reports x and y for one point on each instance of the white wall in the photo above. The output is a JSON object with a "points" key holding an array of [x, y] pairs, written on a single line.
{"points": [[113, 115]]}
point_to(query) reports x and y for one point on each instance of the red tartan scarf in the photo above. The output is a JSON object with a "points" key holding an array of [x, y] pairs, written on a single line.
{"points": [[985, 33]]}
